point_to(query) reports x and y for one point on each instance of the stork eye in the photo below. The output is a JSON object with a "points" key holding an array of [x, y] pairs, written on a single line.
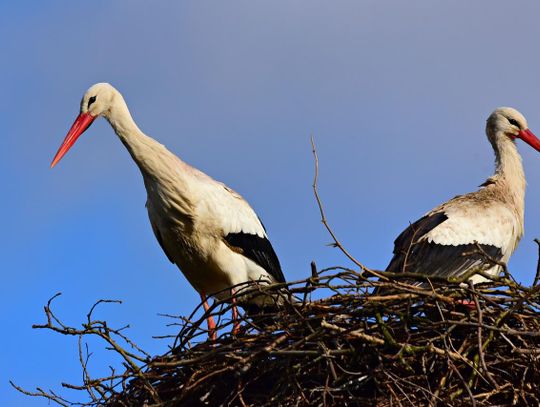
{"points": [[91, 100], [514, 122]]}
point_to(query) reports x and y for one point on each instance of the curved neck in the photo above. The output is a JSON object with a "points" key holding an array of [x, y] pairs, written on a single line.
{"points": [[159, 167], [509, 175], [508, 162], [150, 156], [136, 142]]}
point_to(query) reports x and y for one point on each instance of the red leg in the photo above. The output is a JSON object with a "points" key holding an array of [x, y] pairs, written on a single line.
{"points": [[236, 323], [209, 320], [470, 305]]}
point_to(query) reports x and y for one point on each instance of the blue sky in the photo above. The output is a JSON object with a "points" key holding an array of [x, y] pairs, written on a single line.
{"points": [[395, 93]]}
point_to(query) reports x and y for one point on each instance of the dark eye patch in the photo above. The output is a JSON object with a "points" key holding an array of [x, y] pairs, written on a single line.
{"points": [[514, 122], [91, 100]]}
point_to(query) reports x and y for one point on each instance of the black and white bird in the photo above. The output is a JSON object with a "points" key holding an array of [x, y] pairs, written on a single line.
{"points": [[444, 242], [208, 230]]}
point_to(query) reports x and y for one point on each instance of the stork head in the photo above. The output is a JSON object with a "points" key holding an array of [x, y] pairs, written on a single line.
{"points": [[508, 123], [97, 101]]}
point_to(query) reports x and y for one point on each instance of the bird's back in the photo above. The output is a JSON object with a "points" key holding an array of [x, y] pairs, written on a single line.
{"points": [[469, 231]]}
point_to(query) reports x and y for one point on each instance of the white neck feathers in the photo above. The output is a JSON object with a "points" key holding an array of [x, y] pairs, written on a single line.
{"points": [[509, 178], [163, 172]]}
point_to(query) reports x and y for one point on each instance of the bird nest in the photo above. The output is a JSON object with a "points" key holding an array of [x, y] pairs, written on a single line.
{"points": [[332, 341]]}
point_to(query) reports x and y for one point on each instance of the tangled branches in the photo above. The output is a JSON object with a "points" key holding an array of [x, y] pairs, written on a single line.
{"points": [[332, 342], [340, 337]]}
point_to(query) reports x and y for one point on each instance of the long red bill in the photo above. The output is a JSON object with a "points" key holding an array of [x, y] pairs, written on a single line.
{"points": [[528, 137], [82, 122]]}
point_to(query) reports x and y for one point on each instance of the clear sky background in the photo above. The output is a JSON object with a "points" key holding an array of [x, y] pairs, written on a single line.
{"points": [[396, 94]]}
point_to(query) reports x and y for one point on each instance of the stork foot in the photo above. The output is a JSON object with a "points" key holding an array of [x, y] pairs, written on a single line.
{"points": [[212, 331], [468, 304], [236, 323]]}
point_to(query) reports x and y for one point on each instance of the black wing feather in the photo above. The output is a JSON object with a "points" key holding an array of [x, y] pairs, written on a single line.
{"points": [[157, 233], [258, 249], [444, 260], [420, 256]]}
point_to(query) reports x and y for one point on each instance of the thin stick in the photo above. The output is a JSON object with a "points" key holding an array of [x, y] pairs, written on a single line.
{"points": [[537, 276], [324, 221]]}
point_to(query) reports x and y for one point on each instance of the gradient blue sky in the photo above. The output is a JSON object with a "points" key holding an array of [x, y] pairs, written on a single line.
{"points": [[396, 94]]}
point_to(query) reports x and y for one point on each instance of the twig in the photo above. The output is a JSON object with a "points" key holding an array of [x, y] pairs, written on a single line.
{"points": [[336, 243], [537, 275], [406, 348]]}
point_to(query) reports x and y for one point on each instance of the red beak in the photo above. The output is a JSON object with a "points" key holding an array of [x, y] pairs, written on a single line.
{"points": [[528, 137], [82, 122]]}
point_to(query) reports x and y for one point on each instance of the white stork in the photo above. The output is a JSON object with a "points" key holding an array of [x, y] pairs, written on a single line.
{"points": [[441, 242], [208, 230]]}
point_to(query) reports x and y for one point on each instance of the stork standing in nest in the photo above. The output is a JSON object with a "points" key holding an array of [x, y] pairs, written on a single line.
{"points": [[470, 231], [208, 230]]}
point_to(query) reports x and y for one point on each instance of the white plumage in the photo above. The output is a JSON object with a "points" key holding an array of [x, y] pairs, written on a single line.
{"points": [[442, 242], [204, 227], [494, 225]]}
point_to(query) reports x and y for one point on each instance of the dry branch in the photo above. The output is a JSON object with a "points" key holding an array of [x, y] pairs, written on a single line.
{"points": [[331, 342], [345, 348]]}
